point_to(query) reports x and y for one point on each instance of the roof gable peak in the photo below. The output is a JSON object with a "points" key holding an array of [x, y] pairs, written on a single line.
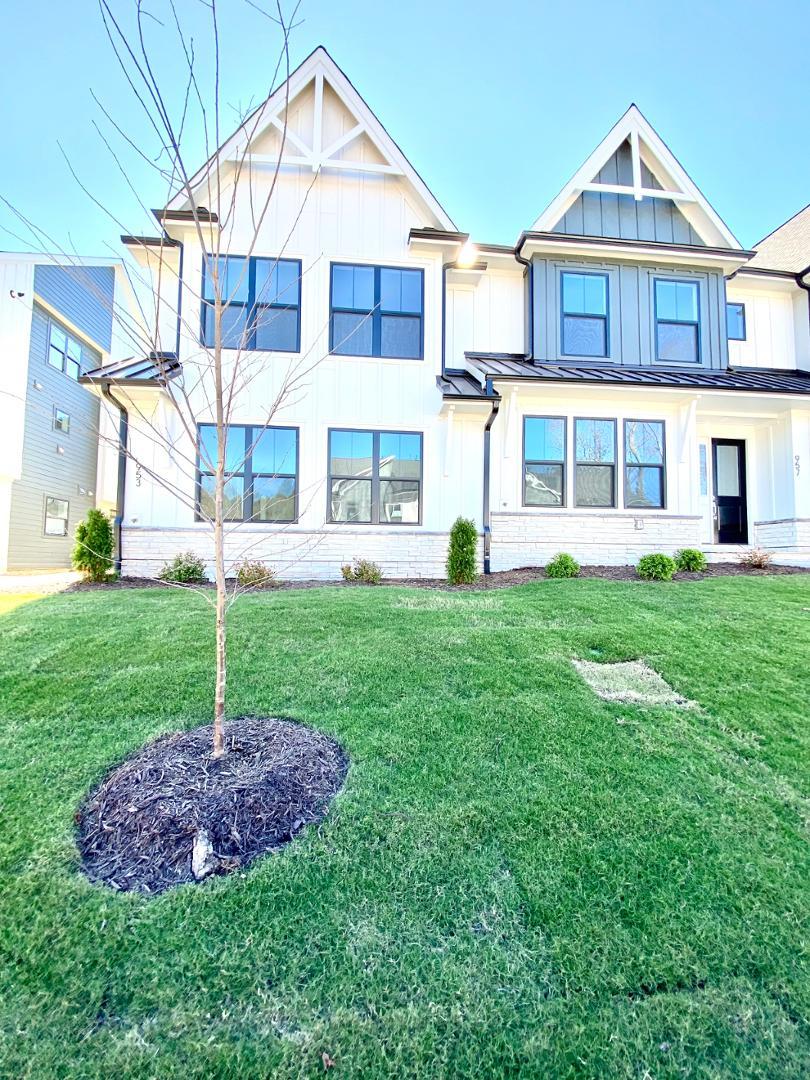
{"points": [[655, 174], [317, 119]]}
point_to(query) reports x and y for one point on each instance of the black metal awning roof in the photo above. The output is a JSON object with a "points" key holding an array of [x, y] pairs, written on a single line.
{"points": [[753, 380], [460, 386], [156, 368]]}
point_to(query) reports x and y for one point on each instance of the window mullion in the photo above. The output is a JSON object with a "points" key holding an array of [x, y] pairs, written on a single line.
{"points": [[376, 323], [375, 479], [247, 476]]}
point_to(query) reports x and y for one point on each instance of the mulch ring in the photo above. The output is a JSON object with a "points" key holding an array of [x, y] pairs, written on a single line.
{"points": [[172, 814], [500, 579]]}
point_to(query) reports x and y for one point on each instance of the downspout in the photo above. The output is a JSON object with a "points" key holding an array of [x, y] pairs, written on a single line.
{"points": [[496, 404], [803, 285], [530, 284], [179, 297], [123, 438], [445, 268]]}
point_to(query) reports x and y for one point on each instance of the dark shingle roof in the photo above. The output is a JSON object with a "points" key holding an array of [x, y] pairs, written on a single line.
{"points": [[786, 248], [756, 380]]}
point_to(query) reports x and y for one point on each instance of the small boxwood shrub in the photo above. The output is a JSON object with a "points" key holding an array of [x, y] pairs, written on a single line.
{"points": [[461, 569], [94, 546], [254, 574], [364, 571], [656, 567], [184, 569], [691, 560], [562, 566]]}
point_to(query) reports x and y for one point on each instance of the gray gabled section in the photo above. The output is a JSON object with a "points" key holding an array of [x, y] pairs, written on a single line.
{"points": [[598, 213], [83, 295]]}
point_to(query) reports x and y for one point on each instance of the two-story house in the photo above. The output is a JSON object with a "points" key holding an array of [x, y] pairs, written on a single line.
{"points": [[56, 319], [624, 378]]}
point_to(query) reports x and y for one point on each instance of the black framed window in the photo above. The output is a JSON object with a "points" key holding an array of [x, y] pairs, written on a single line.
{"points": [[677, 321], [595, 445], [644, 463], [61, 421], [264, 303], [544, 461], [64, 352], [376, 311], [735, 321], [584, 314], [375, 477], [261, 472], [57, 512]]}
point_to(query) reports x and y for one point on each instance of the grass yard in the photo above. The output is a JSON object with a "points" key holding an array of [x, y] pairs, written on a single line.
{"points": [[518, 878]]}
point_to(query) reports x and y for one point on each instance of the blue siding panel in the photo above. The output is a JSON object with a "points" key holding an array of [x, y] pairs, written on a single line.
{"points": [[83, 294]]}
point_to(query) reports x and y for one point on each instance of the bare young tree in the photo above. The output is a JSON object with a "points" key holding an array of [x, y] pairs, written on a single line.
{"points": [[227, 206]]}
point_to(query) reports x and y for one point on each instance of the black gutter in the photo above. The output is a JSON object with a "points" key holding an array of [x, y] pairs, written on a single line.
{"points": [[487, 518], [803, 285], [612, 242], [530, 283], [123, 438]]}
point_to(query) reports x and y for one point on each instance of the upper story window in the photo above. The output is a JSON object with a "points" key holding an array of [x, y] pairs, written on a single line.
{"points": [[61, 421], [375, 477], [263, 299], [644, 454], [376, 311], [544, 461], [261, 472], [64, 352], [677, 321], [595, 442], [584, 314], [735, 321]]}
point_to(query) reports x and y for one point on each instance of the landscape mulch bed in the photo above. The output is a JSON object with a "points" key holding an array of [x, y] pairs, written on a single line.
{"points": [[499, 580], [139, 828]]}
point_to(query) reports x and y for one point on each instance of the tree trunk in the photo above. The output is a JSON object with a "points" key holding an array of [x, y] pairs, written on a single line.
{"points": [[219, 538]]}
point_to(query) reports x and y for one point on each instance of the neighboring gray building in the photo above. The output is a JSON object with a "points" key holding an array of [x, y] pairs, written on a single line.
{"points": [[55, 323]]}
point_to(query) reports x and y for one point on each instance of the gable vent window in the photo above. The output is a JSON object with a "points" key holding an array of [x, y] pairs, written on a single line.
{"points": [[64, 352], [584, 314], [677, 323], [61, 421], [376, 311], [595, 462], [56, 516], [261, 473], [263, 298], [644, 464], [735, 321]]}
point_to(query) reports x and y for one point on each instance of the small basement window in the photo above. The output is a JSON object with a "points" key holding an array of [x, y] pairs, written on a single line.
{"points": [[61, 421], [735, 322], [56, 516]]}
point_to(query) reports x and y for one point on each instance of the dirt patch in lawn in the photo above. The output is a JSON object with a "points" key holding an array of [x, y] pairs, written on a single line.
{"points": [[172, 814], [630, 681]]}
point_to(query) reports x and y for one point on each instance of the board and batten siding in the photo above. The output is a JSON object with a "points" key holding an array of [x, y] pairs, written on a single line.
{"points": [[46, 472], [605, 213], [83, 294], [631, 312]]}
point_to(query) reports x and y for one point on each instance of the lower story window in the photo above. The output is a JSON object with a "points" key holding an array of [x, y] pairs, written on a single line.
{"points": [[261, 472], [544, 461], [644, 455], [595, 462], [56, 516], [375, 477]]}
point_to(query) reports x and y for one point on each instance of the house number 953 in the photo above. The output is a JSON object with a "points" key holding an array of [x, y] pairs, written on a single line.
{"points": [[797, 464]]}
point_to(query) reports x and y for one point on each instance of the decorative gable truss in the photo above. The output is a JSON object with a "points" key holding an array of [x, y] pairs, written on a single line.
{"points": [[318, 120], [633, 187]]}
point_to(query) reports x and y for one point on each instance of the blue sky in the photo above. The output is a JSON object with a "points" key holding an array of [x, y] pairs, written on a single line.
{"points": [[496, 106]]}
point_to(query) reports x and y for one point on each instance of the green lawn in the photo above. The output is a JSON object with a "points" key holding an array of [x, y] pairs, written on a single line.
{"points": [[518, 878]]}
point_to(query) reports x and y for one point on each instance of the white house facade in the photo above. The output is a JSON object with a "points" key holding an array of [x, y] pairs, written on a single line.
{"points": [[624, 378]]}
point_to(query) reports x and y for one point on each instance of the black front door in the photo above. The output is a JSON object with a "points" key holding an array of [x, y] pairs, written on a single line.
{"points": [[730, 509]]}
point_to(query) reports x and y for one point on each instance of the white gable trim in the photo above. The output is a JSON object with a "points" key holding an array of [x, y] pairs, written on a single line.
{"points": [[649, 147], [319, 66]]}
